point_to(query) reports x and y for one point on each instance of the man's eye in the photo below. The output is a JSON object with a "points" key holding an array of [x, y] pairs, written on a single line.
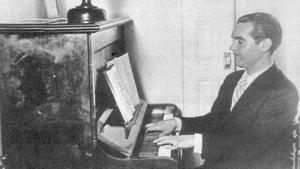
{"points": [[240, 42]]}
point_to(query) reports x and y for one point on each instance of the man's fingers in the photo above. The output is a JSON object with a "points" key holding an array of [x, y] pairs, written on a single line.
{"points": [[164, 140], [164, 133], [170, 147], [152, 128], [150, 125], [161, 139], [168, 142], [163, 126]]}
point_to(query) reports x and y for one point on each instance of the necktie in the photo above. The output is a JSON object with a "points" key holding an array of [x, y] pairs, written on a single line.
{"points": [[239, 90]]}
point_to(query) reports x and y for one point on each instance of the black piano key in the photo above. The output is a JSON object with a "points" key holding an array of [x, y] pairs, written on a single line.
{"points": [[148, 148]]}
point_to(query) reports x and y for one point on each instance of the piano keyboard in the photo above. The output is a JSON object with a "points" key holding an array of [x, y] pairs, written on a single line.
{"points": [[150, 149]]}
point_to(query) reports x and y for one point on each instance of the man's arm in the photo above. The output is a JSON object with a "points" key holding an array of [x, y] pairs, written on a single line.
{"points": [[215, 119], [211, 121]]}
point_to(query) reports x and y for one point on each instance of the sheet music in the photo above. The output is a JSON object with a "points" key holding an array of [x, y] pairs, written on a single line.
{"points": [[121, 96], [124, 68]]}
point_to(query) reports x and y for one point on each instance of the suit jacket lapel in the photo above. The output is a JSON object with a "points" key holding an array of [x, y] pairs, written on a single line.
{"points": [[257, 88]]}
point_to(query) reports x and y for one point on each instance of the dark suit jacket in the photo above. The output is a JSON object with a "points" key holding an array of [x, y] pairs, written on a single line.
{"points": [[257, 133]]}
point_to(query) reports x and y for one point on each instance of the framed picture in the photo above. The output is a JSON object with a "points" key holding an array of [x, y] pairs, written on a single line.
{"points": [[51, 8]]}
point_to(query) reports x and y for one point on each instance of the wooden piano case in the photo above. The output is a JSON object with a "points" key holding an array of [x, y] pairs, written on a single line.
{"points": [[47, 89]]}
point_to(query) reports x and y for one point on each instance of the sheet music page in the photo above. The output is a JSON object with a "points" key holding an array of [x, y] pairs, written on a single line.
{"points": [[124, 68], [121, 96]]}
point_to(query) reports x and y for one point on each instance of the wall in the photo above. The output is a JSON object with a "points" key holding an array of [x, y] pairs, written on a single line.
{"points": [[154, 43], [16, 10], [206, 37]]}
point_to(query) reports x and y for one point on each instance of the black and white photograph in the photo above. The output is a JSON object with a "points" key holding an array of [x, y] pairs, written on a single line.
{"points": [[149, 84]]}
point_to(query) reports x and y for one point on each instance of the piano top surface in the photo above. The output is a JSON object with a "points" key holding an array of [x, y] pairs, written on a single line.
{"points": [[17, 28]]}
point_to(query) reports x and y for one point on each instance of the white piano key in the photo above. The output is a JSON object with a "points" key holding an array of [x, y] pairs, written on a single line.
{"points": [[164, 151]]}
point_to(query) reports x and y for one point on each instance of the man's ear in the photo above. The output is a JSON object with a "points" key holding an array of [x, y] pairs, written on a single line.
{"points": [[265, 44]]}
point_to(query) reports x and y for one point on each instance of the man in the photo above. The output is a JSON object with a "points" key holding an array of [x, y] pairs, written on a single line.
{"points": [[251, 121]]}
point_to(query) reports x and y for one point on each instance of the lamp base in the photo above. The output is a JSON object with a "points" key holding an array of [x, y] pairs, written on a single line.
{"points": [[86, 14]]}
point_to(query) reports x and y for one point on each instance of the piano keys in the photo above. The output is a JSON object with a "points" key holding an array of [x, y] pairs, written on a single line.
{"points": [[145, 153], [148, 148]]}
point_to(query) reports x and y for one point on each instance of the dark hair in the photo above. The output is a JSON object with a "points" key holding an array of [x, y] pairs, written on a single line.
{"points": [[264, 26]]}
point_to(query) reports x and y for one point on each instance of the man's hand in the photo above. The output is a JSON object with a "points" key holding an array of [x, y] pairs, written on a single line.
{"points": [[176, 142], [166, 126]]}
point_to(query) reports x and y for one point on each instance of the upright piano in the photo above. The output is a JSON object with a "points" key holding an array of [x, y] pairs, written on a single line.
{"points": [[70, 55]]}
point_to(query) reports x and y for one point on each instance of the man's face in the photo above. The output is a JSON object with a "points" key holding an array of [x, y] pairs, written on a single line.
{"points": [[247, 53]]}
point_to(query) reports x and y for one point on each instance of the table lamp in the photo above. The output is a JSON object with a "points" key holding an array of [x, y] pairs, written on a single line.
{"points": [[86, 13]]}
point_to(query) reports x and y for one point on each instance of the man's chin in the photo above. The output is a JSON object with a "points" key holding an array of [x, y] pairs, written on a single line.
{"points": [[240, 66]]}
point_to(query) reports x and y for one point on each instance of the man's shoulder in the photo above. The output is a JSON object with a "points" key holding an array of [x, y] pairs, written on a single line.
{"points": [[283, 81], [276, 82]]}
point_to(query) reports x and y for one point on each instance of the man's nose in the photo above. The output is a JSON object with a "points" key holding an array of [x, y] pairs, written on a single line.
{"points": [[232, 47]]}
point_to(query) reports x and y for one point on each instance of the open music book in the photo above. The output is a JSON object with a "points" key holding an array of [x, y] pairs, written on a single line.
{"points": [[124, 69], [121, 82], [120, 93]]}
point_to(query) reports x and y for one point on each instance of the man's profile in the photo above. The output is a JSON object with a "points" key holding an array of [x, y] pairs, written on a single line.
{"points": [[250, 124]]}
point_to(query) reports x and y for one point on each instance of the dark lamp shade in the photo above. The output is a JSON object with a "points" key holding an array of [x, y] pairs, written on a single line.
{"points": [[86, 13]]}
